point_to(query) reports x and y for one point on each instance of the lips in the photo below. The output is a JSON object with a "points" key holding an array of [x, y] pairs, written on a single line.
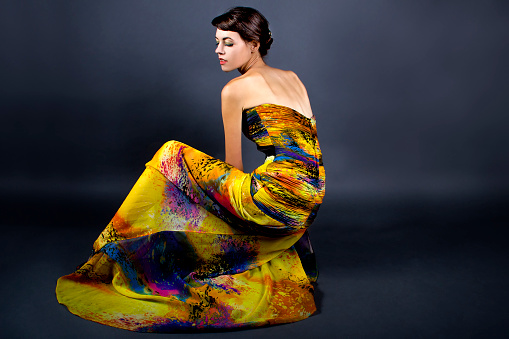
{"points": [[222, 61]]}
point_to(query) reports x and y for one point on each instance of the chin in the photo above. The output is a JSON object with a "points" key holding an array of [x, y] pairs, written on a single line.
{"points": [[227, 69]]}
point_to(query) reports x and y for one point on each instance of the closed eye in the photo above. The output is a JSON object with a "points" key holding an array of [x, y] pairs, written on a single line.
{"points": [[226, 43]]}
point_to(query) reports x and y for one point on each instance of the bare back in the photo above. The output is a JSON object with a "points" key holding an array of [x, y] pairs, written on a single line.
{"points": [[270, 85], [263, 85]]}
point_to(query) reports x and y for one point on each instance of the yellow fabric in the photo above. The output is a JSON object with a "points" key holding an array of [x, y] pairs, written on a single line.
{"points": [[200, 244]]}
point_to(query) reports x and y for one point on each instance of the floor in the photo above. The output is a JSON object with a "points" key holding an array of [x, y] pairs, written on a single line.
{"points": [[392, 268]]}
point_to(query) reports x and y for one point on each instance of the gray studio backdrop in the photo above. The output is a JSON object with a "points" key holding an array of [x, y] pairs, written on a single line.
{"points": [[410, 96]]}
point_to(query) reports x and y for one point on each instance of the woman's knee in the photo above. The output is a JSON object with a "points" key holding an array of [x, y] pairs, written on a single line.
{"points": [[171, 144]]}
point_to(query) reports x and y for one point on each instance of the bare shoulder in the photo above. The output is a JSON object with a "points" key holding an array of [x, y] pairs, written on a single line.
{"points": [[238, 85], [251, 79], [296, 80], [244, 89], [231, 89], [291, 74]]}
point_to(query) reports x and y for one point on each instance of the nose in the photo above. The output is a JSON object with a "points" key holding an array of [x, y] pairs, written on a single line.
{"points": [[220, 49]]}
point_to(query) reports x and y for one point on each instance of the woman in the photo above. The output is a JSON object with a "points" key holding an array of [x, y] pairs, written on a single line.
{"points": [[200, 244]]}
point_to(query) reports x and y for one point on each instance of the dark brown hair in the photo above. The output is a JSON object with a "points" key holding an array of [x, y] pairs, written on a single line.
{"points": [[249, 23]]}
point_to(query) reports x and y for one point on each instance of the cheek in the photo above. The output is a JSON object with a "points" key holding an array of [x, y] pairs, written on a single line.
{"points": [[240, 55], [234, 53], [234, 56]]}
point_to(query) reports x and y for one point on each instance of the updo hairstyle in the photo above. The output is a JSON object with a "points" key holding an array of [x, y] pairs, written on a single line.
{"points": [[249, 23]]}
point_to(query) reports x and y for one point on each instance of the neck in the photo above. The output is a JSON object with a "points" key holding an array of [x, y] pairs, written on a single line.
{"points": [[254, 62]]}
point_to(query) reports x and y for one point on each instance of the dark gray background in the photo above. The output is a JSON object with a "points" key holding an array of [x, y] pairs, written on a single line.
{"points": [[411, 103], [410, 96]]}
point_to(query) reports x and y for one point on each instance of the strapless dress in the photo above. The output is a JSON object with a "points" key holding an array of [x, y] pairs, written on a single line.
{"points": [[199, 244]]}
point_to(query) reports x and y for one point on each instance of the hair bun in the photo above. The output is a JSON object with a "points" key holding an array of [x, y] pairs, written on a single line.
{"points": [[268, 43]]}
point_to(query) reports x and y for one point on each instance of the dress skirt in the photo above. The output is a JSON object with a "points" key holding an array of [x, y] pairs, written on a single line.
{"points": [[199, 244]]}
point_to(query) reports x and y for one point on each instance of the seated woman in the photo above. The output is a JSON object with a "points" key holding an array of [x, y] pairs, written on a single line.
{"points": [[198, 243]]}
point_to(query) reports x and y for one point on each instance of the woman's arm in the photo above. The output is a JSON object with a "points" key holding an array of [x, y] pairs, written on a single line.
{"points": [[231, 107]]}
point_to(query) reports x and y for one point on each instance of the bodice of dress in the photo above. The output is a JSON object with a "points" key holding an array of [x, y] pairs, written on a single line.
{"points": [[291, 138], [282, 132]]}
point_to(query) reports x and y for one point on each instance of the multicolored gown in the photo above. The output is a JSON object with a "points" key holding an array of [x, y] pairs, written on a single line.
{"points": [[199, 244]]}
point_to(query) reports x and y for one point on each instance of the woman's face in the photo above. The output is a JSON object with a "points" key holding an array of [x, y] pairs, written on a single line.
{"points": [[232, 50]]}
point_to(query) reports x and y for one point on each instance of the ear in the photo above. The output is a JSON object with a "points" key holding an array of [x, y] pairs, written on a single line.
{"points": [[255, 45]]}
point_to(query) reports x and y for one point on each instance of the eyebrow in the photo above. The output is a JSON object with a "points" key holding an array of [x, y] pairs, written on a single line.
{"points": [[225, 38]]}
